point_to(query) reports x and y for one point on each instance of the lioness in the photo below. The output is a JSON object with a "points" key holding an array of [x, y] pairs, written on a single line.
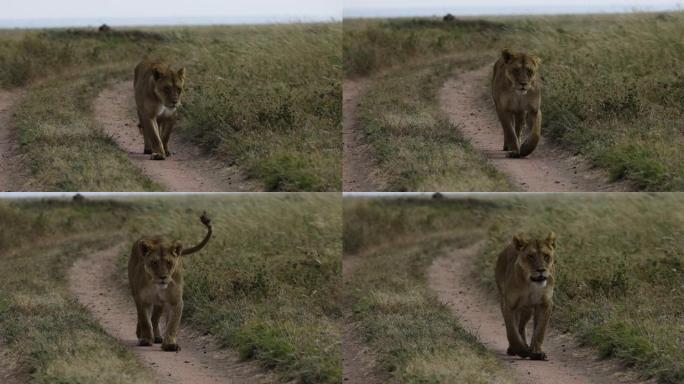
{"points": [[516, 89], [155, 273], [157, 95], [524, 277]]}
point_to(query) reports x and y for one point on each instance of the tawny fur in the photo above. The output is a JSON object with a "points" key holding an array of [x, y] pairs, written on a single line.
{"points": [[157, 96], [525, 280], [155, 274], [516, 90]]}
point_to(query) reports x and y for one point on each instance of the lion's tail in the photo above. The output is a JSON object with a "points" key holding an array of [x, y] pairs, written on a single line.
{"points": [[207, 223], [532, 139]]}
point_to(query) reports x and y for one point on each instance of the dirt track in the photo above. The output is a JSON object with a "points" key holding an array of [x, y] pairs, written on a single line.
{"points": [[357, 170], [11, 169], [467, 101], [92, 281], [187, 170], [450, 277]]}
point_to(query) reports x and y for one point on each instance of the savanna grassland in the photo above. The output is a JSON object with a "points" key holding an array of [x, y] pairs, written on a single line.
{"points": [[612, 88], [619, 273], [266, 285], [266, 98]]}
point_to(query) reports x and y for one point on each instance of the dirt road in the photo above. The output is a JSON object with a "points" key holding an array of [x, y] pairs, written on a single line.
{"points": [[200, 361], [187, 170], [451, 278], [467, 101], [357, 170], [11, 170]]}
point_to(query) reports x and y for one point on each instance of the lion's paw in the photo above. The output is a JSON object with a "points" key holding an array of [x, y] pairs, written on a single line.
{"points": [[171, 347]]}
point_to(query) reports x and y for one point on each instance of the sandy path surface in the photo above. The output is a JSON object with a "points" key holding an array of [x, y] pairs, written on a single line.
{"points": [[451, 278], [186, 170], [358, 362], [12, 173], [199, 362], [467, 101], [357, 169]]}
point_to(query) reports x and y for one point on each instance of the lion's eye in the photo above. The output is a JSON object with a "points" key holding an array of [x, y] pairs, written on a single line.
{"points": [[547, 258], [531, 256], [155, 262], [529, 72], [179, 90]]}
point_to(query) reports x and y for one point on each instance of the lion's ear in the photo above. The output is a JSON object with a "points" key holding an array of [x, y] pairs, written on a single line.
{"points": [[507, 55], [536, 60], [144, 247], [177, 249], [181, 73], [156, 71], [551, 240], [519, 241]]}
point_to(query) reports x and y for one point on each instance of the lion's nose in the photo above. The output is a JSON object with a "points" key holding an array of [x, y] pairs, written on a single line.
{"points": [[541, 270], [163, 277]]}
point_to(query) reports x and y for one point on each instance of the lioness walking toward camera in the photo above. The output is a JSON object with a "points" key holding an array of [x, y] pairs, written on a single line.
{"points": [[516, 90], [157, 96], [155, 273], [525, 279]]}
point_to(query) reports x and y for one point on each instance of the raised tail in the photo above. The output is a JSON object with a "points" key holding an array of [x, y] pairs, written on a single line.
{"points": [[532, 138], [207, 223]]}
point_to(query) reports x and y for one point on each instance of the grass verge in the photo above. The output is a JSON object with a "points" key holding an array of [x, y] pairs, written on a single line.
{"points": [[414, 144], [415, 338], [63, 144], [51, 337], [619, 261]]}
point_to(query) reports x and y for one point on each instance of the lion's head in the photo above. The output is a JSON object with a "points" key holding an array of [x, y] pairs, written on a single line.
{"points": [[161, 258], [168, 85], [536, 257], [521, 69]]}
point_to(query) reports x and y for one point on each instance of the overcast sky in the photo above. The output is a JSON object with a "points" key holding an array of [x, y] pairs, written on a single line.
{"points": [[185, 9], [418, 7]]}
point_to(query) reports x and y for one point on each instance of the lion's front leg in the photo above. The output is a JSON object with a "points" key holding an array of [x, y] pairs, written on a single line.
{"points": [[542, 313], [519, 124], [166, 127], [511, 141], [151, 128], [156, 315], [516, 345], [173, 318], [144, 328]]}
